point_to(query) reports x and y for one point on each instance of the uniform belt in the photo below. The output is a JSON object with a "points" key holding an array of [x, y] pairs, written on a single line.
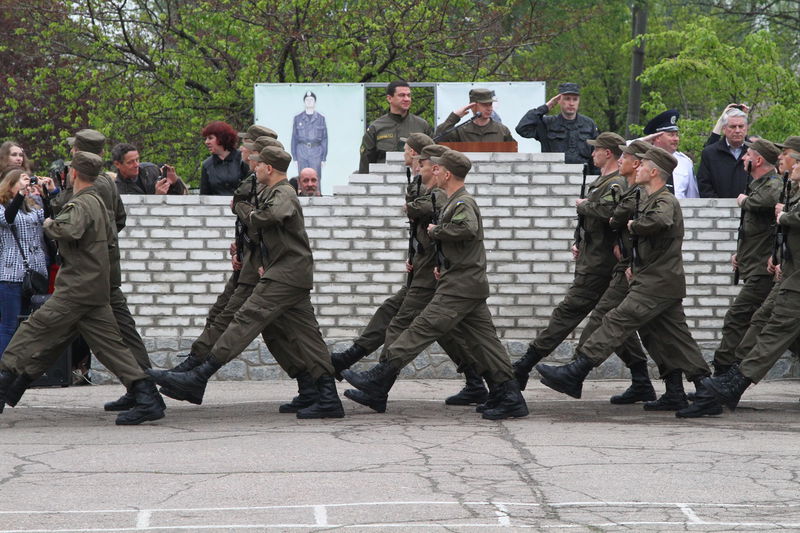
{"points": [[311, 144]]}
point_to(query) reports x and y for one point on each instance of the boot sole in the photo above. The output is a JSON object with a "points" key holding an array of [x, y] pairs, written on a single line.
{"points": [[289, 408], [180, 395], [366, 387], [377, 407], [321, 414], [616, 400], [556, 386], [665, 407], [699, 414], [149, 417], [517, 413], [465, 400]]}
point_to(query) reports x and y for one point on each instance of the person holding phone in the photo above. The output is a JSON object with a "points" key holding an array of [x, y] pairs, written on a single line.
{"points": [[135, 177]]}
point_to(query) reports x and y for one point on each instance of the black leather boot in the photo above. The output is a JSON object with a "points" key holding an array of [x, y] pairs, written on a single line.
{"points": [[641, 389], [728, 388], [474, 392], [307, 394], [494, 396], [328, 404], [189, 385], [17, 388], [719, 370], [346, 359], [189, 362], [523, 366], [376, 403], [127, 401], [148, 404], [704, 403], [7, 377], [673, 398], [567, 378], [377, 381], [510, 403]]}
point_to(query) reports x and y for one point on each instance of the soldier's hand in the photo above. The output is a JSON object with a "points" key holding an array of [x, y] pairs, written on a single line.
{"points": [[770, 266], [232, 248], [261, 271], [778, 217], [630, 223], [778, 273], [734, 262], [436, 273], [431, 227], [554, 101], [162, 186], [409, 266], [778, 210], [628, 274], [617, 252], [580, 201], [575, 252], [466, 109], [235, 263], [740, 199]]}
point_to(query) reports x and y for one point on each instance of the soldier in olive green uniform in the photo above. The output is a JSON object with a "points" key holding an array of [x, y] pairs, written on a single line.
{"points": [[388, 132], [459, 303], [481, 128], [281, 299], [753, 248], [776, 325], [653, 305], [594, 252], [631, 351], [80, 302]]}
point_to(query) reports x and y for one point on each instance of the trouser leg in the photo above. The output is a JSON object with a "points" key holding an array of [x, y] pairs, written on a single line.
{"points": [[679, 348], [373, 336], [201, 347], [757, 323], [779, 333], [737, 320], [127, 328]]}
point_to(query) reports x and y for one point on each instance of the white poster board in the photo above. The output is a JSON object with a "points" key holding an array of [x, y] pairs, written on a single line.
{"points": [[280, 106], [514, 99]]}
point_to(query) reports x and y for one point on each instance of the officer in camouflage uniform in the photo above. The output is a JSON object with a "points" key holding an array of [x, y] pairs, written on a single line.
{"points": [[566, 132], [281, 299], [653, 305], [481, 128], [388, 132], [594, 253], [458, 305], [81, 302]]}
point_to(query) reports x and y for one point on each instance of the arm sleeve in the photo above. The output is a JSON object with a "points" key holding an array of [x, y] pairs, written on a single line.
{"points": [[530, 124], [704, 181], [277, 209], [324, 139], [655, 220], [451, 120], [368, 150], [69, 225], [204, 186], [13, 208], [463, 226]]}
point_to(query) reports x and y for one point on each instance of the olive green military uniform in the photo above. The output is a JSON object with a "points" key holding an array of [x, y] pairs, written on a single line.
{"points": [[631, 351], [283, 291], [654, 305], [492, 132], [459, 304], [594, 267], [776, 325], [388, 134], [752, 252], [81, 300]]}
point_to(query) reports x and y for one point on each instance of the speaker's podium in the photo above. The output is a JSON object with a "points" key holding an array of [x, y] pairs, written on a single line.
{"points": [[60, 374], [499, 146]]}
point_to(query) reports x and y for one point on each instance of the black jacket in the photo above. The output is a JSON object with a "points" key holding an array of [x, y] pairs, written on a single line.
{"points": [[720, 174]]}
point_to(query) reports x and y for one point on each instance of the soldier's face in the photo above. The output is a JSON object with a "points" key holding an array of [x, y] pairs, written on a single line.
{"points": [[128, 168], [426, 172], [309, 102], [408, 155], [484, 109], [569, 104], [786, 162], [262, 172], [600, 156], [628, 165], [400, 101], [438, 175], [644, 173]]}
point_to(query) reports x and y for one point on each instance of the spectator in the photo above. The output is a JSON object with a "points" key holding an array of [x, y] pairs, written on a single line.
{"points": [[482, 127], [566, 132], [223, 169], [308, 183], [662, 132], [12, 155], [20, 215], [134, 177], [388, 132], [722, 173]]}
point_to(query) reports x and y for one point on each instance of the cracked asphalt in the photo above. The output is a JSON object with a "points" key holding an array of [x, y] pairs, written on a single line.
{"points": [[236, 464]]}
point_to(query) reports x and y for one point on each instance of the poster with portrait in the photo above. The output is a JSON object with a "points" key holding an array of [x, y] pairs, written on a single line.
{"points": [[514, 99], [320, 124]]}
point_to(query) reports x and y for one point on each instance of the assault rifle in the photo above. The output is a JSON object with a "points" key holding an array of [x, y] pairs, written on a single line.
{"points": [[412, 225], [777, 247], [579, 229], [441, 260], [740, 233], [635, 238]]}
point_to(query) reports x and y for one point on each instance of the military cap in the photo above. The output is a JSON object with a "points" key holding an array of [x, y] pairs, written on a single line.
{"points": [[569, 88], [792, 143], [454, 161], [666, 121], [636, 147], [272, 155], [261, 143], [88, 141], [311, 94], [765, 149], [432, 150], [255, 131], [417, 141], [795, 155], [608, 140], [87, 163], [660, 158], [482, 96]]}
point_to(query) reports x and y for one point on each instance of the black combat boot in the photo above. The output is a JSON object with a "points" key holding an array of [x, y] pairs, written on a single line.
{"points": [[377, 381], [127, 401], [473, 393], [494, 396], [149, 405], [728, 388], [7, 377], [328, 404], [307, 394], [510, 403], [719, 370], [189, 385], [673, 399], [523, 366], [567, 378], [704, 403], [641, 389], [376, 403], [346, 359], [17, 388], [189, 362]]}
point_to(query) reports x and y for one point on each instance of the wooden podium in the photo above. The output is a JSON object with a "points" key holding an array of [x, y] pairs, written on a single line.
{"points": [[501, 146]]}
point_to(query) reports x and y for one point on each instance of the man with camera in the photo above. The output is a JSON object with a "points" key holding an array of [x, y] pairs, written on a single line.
{"points": [[134, 177]]}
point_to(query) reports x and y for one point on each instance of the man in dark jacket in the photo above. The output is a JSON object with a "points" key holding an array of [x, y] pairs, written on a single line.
{"points": [[722, 173]]}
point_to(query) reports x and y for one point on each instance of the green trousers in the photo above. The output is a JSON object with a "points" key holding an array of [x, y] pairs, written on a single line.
{"points": [[737, 320], [374, 334]]}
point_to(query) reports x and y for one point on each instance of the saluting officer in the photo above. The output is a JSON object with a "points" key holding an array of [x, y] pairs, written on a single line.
{"points": [[482, 127]]}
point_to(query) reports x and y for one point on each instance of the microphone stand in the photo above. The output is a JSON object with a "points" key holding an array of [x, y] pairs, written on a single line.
{"points": [[457, 126]]}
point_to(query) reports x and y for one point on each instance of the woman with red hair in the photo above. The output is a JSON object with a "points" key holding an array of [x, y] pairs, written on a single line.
{"points": [[223, 169]]}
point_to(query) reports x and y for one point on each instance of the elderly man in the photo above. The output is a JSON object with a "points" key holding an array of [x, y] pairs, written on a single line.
{"points": [[308, 183], [134, 177], [722, 173]]}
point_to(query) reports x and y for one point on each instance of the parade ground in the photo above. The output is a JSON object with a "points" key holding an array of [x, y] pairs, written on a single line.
{"points": [[236, 464]]}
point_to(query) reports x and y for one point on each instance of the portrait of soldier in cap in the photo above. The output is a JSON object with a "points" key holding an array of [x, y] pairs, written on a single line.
{"points": [[310, 137]]}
